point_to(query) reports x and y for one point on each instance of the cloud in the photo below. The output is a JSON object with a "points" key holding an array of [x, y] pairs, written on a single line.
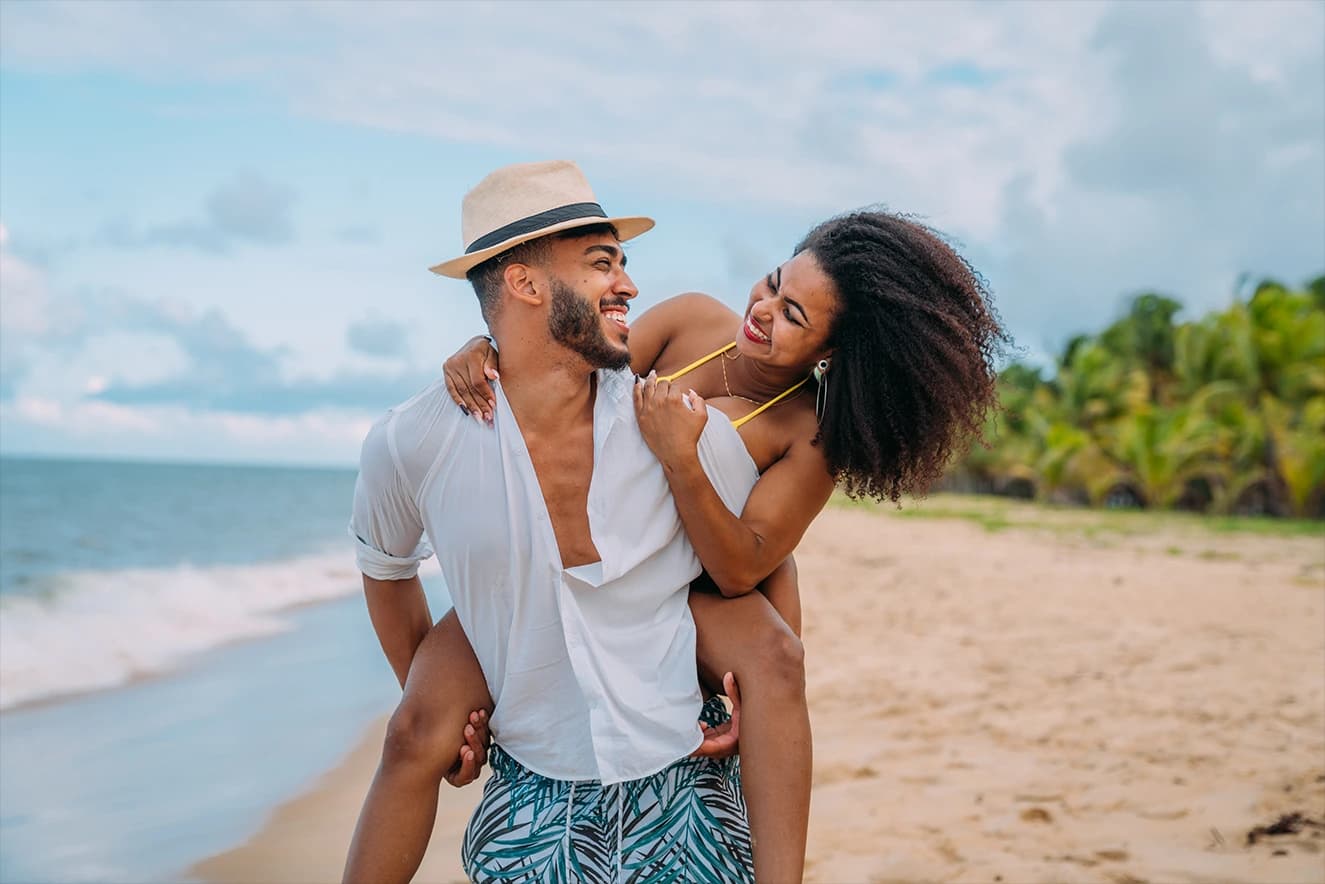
{"points": [[222, 369], [113, 430], [31, 318], [346, 391], [247, 209], [226, 372], [378, 337], [1201, 168], [1088, 149]]}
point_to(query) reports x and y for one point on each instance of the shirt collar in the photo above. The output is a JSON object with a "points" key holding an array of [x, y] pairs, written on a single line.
{"points": [[615, 401]]}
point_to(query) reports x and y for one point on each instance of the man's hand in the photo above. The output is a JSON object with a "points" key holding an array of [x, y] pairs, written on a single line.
{"points": [[724, 740], [473, 753]]}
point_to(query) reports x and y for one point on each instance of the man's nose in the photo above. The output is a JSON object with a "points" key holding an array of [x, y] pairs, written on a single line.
{"points": [[625, 286]]}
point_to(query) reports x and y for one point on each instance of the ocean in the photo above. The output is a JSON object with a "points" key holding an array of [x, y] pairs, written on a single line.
{"points": [[182, 648]]}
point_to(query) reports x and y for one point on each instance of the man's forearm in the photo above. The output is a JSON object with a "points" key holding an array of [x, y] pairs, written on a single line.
{"points": [[400, 615]]}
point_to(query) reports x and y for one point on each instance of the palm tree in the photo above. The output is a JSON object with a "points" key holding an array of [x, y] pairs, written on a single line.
{"points": [[1233, 401]]}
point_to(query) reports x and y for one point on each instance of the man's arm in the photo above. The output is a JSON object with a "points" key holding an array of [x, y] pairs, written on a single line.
{"points": [[400, 615], [387, 529]]}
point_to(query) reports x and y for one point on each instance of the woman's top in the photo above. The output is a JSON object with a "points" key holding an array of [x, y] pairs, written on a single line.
{"points": [[741, 421]]}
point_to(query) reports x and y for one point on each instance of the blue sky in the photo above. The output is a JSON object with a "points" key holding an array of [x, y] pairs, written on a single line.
{"points": [[217, 217]]}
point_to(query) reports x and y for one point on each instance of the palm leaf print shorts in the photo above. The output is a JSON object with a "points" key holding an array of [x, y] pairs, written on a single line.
{"points": [[685, 824]]}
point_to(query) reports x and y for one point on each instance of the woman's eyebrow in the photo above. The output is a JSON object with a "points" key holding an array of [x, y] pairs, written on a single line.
{"points": [[795, 304]]}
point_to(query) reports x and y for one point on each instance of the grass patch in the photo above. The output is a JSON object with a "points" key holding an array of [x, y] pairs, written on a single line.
{"points": [[1216, 555], [995, 514]]}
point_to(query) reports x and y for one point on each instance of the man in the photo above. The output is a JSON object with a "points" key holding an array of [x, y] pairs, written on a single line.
{"points": [[568, 568]]}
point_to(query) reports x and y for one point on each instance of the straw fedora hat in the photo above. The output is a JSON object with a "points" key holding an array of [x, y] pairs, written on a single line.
{"points": [[522, 202]]}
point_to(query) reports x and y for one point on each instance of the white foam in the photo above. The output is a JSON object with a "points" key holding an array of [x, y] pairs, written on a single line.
{"points": [[100, 629]]}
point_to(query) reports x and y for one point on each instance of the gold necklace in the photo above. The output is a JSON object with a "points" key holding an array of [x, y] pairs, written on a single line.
{"points": [[730, 394]]}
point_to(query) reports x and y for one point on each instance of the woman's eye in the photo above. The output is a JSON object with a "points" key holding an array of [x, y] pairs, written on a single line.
{"points": [[787, 314]]}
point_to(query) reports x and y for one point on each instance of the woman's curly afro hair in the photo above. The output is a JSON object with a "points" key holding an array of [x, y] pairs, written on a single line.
{"points": [[915, 341]]}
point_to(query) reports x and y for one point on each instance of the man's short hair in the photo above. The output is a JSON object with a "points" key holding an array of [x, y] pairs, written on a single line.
{"points": [[486, 278]]}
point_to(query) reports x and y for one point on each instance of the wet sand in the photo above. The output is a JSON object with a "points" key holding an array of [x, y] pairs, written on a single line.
{"points": [[1011, 694]]}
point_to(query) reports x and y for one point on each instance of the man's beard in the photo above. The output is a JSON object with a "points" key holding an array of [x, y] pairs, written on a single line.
{"points": [[576, 325]]}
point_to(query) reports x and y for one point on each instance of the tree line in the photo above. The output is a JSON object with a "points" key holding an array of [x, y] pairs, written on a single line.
{"points": [[1222, 414]]}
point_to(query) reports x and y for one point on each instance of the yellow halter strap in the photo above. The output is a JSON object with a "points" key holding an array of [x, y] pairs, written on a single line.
{"points": [[698, 362], [769, 404], [739, 422]]}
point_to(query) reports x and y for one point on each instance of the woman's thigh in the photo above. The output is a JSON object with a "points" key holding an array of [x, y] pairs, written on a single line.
{"points": [[445, 682], [734, 634]]}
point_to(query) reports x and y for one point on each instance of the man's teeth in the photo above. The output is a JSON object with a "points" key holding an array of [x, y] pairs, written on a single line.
{"points": [[618, 315]]}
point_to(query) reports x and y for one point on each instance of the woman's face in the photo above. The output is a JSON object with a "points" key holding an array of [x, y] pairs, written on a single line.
{"points": [[790, 315]]}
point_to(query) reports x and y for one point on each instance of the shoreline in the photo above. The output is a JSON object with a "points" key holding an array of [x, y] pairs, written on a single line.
{"points": [[306, 838], [1006, 703]]}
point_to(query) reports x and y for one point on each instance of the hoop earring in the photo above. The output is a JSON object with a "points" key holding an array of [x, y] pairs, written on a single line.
{"points": [[821, 394]]}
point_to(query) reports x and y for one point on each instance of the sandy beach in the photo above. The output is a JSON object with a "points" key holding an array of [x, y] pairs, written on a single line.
{"points": [[1011, 693]]}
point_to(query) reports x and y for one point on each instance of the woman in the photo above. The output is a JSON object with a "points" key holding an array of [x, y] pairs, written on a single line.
{"points": [[864, 362]]}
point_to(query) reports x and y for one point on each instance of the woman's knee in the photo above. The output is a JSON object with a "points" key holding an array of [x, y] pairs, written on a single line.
{"points": [[417, 738], [779, 662]]}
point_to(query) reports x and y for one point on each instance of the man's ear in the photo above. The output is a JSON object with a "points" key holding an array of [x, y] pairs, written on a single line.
{"points": [[521, 284]]}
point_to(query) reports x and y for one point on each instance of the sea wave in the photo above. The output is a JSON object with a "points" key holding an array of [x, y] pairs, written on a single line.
{"points": [[91, 630]]}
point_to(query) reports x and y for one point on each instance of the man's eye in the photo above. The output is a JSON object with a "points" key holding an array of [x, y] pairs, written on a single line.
{"points": [[604, 264]]}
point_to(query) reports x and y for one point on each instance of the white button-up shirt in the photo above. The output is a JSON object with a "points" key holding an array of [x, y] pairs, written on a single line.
{"points": [[592, 668]]}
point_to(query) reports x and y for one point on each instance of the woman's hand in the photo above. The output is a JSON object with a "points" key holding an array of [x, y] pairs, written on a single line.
{"points": [[671, 419], [467, 374]]}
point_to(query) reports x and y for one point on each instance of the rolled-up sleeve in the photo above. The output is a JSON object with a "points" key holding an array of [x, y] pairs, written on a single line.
{"points": [[386, 526]]}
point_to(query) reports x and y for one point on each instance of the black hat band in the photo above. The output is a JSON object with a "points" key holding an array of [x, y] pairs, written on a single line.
{"points": [[536, 222]]}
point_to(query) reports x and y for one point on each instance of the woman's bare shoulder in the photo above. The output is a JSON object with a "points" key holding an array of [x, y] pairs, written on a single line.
{"points": [[689, 307], [677, 326]]}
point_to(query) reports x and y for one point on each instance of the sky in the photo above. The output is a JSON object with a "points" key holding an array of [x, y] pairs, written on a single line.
{"points": [[216, 218]]}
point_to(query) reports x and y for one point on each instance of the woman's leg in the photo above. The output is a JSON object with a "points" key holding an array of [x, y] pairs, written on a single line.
{"points": [[747, 637], [423, 742]]}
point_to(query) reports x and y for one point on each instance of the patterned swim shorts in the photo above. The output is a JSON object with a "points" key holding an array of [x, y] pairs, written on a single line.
{"points": [[685, 823]]}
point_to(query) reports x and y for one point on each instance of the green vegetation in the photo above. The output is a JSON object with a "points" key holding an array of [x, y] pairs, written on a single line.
{"points": [[995, 514], [1224, 414]]}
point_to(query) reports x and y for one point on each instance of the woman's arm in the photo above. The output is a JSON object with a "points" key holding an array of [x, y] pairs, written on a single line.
{"points": [[470, 368], [737, 551], [656, 328]]}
